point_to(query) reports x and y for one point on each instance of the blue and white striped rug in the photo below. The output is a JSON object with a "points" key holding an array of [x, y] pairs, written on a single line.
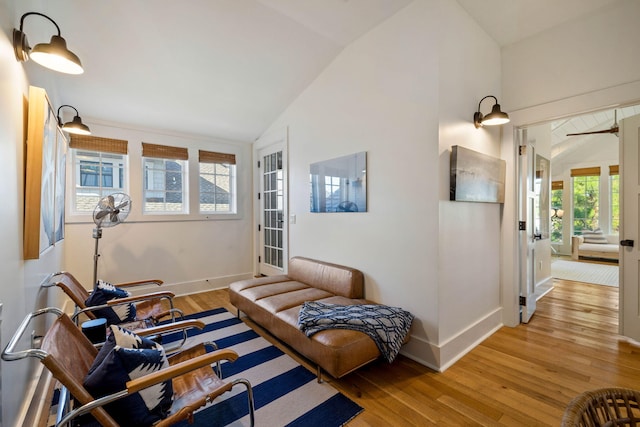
{"points": [[285, 393]]}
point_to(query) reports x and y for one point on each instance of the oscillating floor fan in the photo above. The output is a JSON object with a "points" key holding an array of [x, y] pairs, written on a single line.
{"points": [[110, 211]]}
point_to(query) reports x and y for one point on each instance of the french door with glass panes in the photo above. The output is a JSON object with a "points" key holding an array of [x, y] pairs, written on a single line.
{"points": [[272, 227]]}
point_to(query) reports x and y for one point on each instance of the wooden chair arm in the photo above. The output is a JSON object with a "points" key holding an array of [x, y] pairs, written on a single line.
{"points": [[180, 369], [157, 282], [170, 327], [137, 298]]}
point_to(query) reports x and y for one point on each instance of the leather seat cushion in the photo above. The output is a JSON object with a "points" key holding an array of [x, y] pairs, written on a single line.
{"points": [[257, 293], [283, 301]]}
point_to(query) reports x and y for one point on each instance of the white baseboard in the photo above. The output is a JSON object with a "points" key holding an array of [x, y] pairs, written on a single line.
{"points": [[192, 287], [543, 288], [456, 347], [423, 352], [441, 357]]}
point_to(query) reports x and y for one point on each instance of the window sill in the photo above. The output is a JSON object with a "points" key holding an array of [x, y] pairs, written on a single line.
{"points": [[86, 219]]}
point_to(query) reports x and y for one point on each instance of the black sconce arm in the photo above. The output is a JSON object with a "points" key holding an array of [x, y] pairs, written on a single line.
{"points": [[39, 14]]}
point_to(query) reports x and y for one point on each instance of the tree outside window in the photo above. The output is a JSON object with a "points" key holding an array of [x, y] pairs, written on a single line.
{"points": [[614, 191], [557, 213], [586, 195]]}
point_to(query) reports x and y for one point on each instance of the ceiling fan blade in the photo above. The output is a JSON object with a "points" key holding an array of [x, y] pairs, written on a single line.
{"points": [[612, 130]]}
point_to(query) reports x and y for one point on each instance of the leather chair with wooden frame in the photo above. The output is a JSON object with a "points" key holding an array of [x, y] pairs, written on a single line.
{"points": [[149, 307], [68, 355]]}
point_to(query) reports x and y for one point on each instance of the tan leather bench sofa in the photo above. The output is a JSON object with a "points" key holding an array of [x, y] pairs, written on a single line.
{"points": [[274, 302]]}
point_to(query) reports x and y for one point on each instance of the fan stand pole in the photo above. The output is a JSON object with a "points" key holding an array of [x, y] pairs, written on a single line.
{"points": [[97, 234]]}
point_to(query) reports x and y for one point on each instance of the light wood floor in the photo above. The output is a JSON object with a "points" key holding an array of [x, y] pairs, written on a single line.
{"points": [[522, 376]]}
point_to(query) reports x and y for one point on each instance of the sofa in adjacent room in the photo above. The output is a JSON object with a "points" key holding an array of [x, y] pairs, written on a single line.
{"points": [[595, 244]]}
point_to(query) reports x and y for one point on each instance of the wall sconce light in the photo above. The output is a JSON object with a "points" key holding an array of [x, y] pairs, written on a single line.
{"points": [[53, 55], [495, 117], [74, 126]]}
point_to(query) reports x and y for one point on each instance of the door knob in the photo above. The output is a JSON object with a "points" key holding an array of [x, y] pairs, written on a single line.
{"points": [[628, 243]]}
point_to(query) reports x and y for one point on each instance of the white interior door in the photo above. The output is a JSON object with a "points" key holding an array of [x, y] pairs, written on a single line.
{"points": [[527, 237], [629, 228], [272, 215]]}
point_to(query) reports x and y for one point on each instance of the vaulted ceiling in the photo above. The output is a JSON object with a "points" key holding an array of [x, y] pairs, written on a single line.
{"points": [[224, 68], [228, 68], [509, 21], [596, 121]]}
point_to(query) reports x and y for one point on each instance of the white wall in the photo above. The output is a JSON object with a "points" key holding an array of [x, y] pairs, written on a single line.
{"points": [[393, 93], [376, 98], [19, 288], [580, 57], [469, 233], [188, 255]]}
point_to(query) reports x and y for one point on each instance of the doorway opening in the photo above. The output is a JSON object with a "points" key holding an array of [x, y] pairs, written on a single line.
{"points": [[584, 192]]}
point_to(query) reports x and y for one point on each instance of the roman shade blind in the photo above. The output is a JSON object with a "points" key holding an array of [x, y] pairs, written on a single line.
{"points": [[97, 143], [594, 171], [614, 170], [213, 157], [164, 152], [557, 185]]}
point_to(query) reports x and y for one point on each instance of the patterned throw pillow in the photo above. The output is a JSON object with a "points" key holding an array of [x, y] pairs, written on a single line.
{"points": [[118, 336], [124, 357], [105, 292], [594, 236]]}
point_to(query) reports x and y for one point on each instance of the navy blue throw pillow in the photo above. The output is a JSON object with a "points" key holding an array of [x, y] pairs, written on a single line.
{"points": [[117, 336], [118, 365], [105, 292]]}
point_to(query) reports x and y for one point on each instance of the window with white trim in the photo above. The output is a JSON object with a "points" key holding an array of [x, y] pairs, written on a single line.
{"points": [[217, 182], [557, 213], [164, 179], [99, 169], [614, 198], [586, 199]]}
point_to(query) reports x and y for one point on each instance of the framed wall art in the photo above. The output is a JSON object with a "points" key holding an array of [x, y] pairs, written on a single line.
{"points": [[60, 186], [44, 181], [476, 177], [340, 184]]}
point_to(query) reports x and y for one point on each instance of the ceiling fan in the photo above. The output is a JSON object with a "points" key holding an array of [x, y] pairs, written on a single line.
{"points": [[613, 129]]}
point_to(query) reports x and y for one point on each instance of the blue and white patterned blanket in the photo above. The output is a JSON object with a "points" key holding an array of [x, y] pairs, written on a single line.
{"points": [[387, 326]]}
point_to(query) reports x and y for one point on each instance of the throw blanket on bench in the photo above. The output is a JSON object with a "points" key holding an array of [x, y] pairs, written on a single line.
{"points": [[387, 326]]}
